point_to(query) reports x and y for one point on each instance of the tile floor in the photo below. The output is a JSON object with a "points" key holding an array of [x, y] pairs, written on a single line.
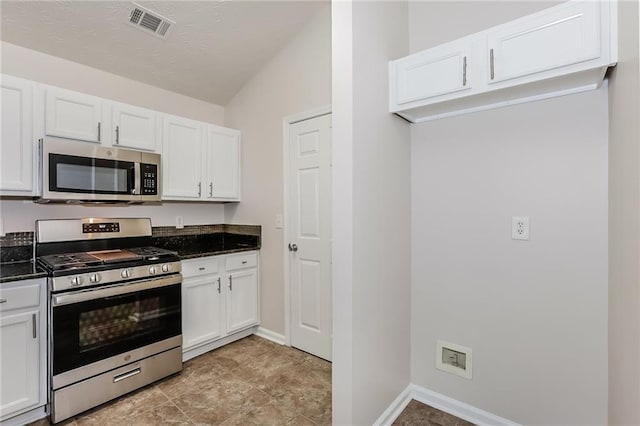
{"points": [[249, 382], [418, 413]]}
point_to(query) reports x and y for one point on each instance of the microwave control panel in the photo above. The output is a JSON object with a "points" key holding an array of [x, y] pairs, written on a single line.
{"points": [[149, 179]]}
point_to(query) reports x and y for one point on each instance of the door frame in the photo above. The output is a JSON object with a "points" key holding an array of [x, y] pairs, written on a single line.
{"points": [[286, 123]]}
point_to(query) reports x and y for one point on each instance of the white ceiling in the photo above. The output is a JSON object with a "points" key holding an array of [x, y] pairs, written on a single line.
{"points": [[211, 52]]}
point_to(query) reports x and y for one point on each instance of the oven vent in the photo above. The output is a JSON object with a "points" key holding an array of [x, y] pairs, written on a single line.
{"points": [[150, 22]]}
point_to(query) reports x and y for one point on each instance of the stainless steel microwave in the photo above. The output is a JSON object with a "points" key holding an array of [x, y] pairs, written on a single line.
{"points": [[75, 171]]}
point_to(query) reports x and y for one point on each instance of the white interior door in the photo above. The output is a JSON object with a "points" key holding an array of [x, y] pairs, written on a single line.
{"points": [[310, 235]]}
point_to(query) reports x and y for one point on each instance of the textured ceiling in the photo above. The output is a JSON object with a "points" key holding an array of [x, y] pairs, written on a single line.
{"points": [[212, 50]]}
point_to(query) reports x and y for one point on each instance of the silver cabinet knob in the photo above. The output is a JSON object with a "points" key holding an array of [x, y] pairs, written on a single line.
{"points": [[293, 247], [95, 278]]}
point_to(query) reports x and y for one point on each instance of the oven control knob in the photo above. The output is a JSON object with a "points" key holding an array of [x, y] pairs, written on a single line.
{"points": [[95, 278], [125, 273], [166, 268], [76, 281], [153, 270]]}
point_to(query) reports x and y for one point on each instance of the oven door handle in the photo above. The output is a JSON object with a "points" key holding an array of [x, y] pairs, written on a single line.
{"points": [[85, 295]]}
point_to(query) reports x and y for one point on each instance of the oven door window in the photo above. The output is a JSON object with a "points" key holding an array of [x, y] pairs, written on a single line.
{"points": [[68, 173], [90, 331]]}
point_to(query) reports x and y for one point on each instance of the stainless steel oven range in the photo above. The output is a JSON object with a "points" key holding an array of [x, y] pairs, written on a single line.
{"points": [[114, 310]]}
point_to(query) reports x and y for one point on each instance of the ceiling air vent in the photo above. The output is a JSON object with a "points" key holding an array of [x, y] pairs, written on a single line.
{"points": [[150, 22]]}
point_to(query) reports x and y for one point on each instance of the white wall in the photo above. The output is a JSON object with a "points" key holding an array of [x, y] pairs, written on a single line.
{"points": [[296, 79], [534, 312], [18, 215], [624, 224], [371, 214]]}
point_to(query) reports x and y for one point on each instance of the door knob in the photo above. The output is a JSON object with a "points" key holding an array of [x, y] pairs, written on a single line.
{"points": [[293, 247]]}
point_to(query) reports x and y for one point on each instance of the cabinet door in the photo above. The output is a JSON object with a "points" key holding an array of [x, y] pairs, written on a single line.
{"points": [[134, 127], [19, 362], [73, 115], [431, 73], [242, 299], [16, 144], [564, 35], [181, 159], [201, 310], [223, 156]]}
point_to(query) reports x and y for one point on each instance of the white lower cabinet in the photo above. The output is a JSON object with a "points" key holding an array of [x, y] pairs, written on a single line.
{"points": [[22, 347], [219, 299]]}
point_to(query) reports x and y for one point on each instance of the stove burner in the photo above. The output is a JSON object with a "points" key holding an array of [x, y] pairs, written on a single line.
{"points": [[152, 253], [70, 260]]}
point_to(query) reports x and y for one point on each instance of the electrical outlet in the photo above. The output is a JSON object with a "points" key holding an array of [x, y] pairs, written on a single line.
{"points": [[520, 228], [179, 222]]}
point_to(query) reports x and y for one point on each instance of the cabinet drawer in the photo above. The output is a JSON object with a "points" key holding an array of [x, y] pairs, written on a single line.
{"points": [[200, 266], [241, 261], [19, 297]]}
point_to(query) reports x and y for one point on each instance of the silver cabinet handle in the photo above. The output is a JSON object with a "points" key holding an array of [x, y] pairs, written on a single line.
{"points": [[230, 282], [3, 300], [117, 135], [491, 61], [293, 247], [210, 189], [464, 71], [126, 375], [98, 131], [199, 189], [202, 268], [219, 284], [33, 326]]}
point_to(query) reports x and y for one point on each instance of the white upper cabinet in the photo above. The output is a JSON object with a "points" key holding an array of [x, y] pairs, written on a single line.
{"points": [[558, 51], [74, 115], [200, 161], [546, 41], [181, 159], [431, 73], [223, 164], [17, 141], [135, 127]]}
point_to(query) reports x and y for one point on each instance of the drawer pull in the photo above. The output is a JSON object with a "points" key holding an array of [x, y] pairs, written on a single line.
{"points": [[244, 262], [230, 283], [3, 300], [219, 283], [126, 375], [33, 326], [202, 268]]}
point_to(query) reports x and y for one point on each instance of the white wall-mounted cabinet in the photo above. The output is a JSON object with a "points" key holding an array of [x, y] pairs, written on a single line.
{"points": [[432, 73], [223, 164], [561, 50], [22, 347], [201, 162], [219, 299], [18, 143], [182, 159], [74, 115], [135, 127]]}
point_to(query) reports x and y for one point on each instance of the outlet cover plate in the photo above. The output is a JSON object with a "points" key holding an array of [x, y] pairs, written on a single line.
{"points": [[520, 228]]}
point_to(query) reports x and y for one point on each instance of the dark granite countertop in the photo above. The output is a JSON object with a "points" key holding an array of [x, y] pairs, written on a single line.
{"points": [[209, 244], [16, 271]]}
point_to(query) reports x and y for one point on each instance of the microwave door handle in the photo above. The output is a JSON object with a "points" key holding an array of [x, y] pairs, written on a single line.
{"points": [[135, 178]]}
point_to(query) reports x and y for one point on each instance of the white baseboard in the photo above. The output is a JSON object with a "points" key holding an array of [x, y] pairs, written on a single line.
{"points": [[458, 408], [26, 418], [270, 335], [395, 409], [442, 403]]}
